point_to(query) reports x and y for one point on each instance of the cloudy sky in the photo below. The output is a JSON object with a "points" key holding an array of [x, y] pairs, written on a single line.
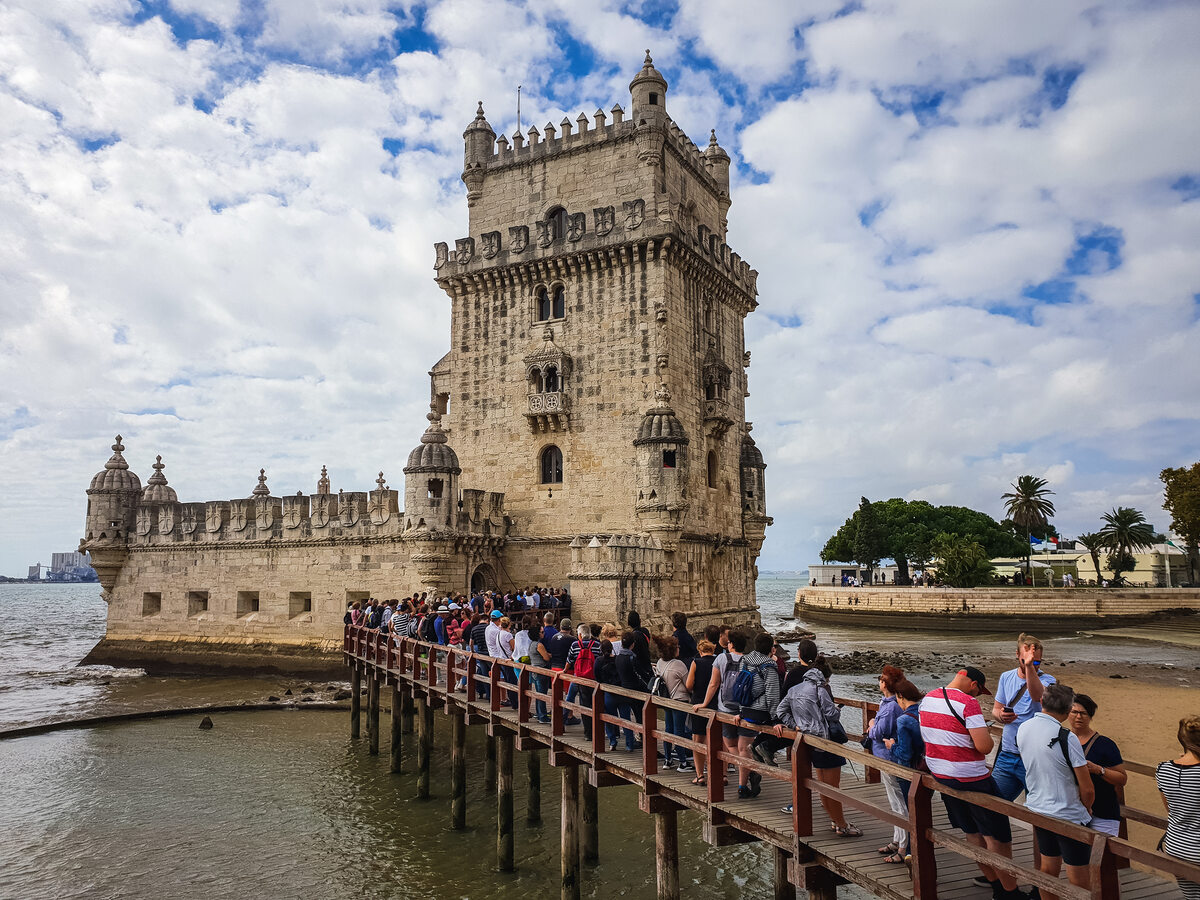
{"points": [[976, 226]]}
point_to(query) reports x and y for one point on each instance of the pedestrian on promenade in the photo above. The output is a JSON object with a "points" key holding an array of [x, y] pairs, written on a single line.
{"points": [[608, 674], [1104, 763], [720, 688], [908, 749], [761, 702], [808, 707], [1018, 697], [674, 672], [1058, 784], [531, 651], [698, 679], [483, 669], [881, 738], [581, 661], [505, 645], [640, 647], [957, 743], [631, 680], [1178, 781], [687, 643]]}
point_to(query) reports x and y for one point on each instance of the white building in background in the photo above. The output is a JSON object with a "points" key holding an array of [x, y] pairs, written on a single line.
{"points": [[62, 562]]}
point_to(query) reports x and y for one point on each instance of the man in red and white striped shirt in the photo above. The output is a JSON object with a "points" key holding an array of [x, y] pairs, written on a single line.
{"points": [[956, 746]]}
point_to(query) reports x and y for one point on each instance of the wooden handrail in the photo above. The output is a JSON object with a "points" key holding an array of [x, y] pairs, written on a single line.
{"points": [[436, 668]]}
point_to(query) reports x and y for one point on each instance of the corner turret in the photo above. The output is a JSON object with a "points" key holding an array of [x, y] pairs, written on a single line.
{"points": [[754, 489], [649, 111], [478, 141], [717, 161], [431, 479], [111, 517], [662, 464]]}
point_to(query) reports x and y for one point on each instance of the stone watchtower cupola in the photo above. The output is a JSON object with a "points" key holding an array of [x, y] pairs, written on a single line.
{"points": [[662, 466], [111, 516], [431, 480]]}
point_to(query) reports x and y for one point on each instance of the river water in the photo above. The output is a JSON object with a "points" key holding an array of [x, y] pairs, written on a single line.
{"points": [[283, 803]]}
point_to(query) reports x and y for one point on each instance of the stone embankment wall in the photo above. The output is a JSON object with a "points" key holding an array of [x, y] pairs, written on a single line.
{"points": [[966, 608]]}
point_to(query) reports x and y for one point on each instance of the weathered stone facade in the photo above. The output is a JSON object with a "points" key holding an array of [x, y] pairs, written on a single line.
{"points": [[594, 395]]}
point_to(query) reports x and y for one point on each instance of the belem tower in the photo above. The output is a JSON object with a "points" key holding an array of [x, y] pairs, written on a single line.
{"points": [[587, 427]]}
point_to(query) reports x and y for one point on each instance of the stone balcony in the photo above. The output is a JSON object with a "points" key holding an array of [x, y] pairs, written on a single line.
{"points": [[548, 412]]}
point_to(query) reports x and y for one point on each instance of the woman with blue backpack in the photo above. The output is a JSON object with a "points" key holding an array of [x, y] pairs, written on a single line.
{"points": [[908, 749], [808, 707], [756, 693]]}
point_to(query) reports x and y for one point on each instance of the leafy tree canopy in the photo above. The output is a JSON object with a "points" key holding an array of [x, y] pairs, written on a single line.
{"points": [[962, 562], [1182, 501], [907, 529]]}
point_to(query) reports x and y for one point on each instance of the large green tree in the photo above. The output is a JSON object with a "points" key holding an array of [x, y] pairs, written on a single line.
{"points": [[908, 528], [1125, 531], [1183, 503], [1029, 506], [1094, 544], [868, 538]]}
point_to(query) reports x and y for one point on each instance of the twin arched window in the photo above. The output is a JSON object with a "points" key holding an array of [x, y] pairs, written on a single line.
{"points": [[545, 380], [552, 465], [551, 304]]}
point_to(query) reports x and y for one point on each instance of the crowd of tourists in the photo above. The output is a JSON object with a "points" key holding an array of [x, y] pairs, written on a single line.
{"points": [[1049, 751]]}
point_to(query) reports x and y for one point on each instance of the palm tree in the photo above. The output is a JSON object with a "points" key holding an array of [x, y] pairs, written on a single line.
{"points": [[1028, 505], [1094, 543], [1125, 530]]}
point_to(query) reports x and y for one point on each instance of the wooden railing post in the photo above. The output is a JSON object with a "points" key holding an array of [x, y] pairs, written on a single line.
{"points": [[920, 821], [802, 812], [373, 712], [716, 766], [599, 741], [649, 741], [570, 833], [424, 744], [666, 853], [450, 677], [1102, 870], [495, 689], [523, 696], [556, 706]]}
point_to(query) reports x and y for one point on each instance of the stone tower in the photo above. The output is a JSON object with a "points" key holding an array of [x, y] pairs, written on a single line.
{"points": [[595, 286]]}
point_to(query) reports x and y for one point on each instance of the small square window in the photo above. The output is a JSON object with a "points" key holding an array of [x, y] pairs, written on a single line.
{"points": [[668, 459], [299, 603], [247, 602], [197, 602], [151, 603]]}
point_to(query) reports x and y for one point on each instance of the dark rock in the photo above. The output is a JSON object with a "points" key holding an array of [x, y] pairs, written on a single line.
{"points": [[206, 723], [272, 699], [1116, 675], [307, 690], [343, 694]]}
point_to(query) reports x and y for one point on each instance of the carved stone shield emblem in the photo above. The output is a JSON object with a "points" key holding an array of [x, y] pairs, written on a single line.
{"points": [[188, 523], [145, 518], [464, 250], [441, 254], [518, 238], [166, 519], [604, 218], [238, 516], [347, 511], [635, 212], [544, 233], [264, 514], [320, 511], [213, 518], [379, 507], [292, 513], [491, 244], [576, 226]]}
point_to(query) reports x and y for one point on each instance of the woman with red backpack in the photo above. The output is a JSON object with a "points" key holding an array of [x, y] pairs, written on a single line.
{"points": [[581, 661]]}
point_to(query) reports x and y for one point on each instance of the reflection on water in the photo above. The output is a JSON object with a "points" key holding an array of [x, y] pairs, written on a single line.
{"points": [[285, 805]]}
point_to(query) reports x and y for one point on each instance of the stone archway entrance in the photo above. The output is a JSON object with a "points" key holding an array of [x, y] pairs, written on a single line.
{"points": [[483, 578]]}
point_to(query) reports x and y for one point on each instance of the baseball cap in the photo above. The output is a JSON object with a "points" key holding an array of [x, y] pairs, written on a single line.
{"points": [[978, 677], [454, 606], [496, 614]]}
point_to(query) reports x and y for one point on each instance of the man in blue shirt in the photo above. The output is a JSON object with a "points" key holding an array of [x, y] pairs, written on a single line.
{"points": [[1018, 699]]}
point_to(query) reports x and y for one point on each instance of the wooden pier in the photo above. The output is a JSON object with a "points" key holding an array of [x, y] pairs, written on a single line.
{"points": [[807, 855]]}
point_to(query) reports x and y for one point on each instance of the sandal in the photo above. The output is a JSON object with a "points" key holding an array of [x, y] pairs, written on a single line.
{"points": [[850, 830], [699, 779], [896, 858], [888, 849]]}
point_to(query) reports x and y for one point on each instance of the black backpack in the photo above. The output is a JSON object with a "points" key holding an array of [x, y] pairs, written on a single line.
{"points": [[427, 632]]}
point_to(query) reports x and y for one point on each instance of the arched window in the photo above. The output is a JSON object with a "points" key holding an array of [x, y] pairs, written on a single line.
{"points": [[552, 465], [558, 304], [543, 305], [712, 468], [535, 380], [558, 223], [550, 380]]}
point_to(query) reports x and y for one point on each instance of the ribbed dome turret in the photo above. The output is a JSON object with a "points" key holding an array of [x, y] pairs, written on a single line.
{"points": [[649, 76], [157, 490], [116, 475], [752, 457], [715, 151], [659, 425], [433, 454]]}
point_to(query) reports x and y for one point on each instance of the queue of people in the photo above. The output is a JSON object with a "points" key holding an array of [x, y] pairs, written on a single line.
{"points": [[1050, 750]]}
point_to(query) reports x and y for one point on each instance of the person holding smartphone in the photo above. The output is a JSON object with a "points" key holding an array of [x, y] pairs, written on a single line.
{"points": [[1018, 699]]}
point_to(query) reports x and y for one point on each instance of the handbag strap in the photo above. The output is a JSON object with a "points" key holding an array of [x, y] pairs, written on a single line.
{"points": [[953, 711]]}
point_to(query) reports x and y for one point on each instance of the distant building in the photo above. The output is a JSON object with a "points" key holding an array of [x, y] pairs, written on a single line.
{"points": [[64, 562], [35, 572]]}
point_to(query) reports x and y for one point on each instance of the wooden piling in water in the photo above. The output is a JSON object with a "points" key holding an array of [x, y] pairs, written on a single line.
{"points": [[590, 821], [397, 741], [504, 801], [424, 744], [373, 715], [570, 833], [406, 712], [355, 700], [489, 764], [666, 853], [784, 889], [458, 772], [533, 773]]}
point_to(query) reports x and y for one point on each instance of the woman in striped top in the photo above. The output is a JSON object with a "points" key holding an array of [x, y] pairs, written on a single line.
{"points": [[1179, 782]]}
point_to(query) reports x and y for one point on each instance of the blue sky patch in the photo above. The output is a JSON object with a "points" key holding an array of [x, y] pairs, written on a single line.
{"points": [[1057, 82], [184, 27], [1188, 187], [1096, 251], [869, 213], [789, 321], [393, 146], [91, 145], [1054, 291]]}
